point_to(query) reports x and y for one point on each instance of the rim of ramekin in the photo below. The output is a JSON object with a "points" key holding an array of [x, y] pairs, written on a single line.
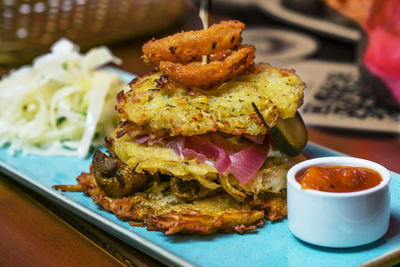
{"points": [[338, 161]]}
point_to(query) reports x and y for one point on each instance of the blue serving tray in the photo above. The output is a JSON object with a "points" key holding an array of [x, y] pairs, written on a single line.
{"points": [[270, 245]]}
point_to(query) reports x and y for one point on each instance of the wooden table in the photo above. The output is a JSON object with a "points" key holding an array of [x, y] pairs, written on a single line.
{"points": [[36, 232]]}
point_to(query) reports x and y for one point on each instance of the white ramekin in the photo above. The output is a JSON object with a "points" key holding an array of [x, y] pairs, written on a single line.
{"points": [[338, 219]]}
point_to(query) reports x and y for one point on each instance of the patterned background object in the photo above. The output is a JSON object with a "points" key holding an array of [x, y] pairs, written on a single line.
{"points": [[336, 97]]}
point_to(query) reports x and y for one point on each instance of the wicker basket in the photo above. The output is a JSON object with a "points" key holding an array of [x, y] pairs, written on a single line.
{"points": [[29, 27]]}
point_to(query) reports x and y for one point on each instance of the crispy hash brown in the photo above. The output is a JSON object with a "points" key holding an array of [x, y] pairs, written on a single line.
{"points": [[160, 104], [161, 210]]}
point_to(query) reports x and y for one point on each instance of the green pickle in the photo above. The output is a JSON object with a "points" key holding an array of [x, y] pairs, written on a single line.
{"points": [[290, 135]]}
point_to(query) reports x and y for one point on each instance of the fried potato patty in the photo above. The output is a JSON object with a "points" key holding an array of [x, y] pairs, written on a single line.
{"points": [[164, 105], [158, 158], [159, 209]]}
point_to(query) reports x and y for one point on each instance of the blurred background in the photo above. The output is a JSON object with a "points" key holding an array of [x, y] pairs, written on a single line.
{"points": [[29, 27]]}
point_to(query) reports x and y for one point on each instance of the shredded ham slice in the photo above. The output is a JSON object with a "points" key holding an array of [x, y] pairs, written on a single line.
{"points": [[192, 154], [203, 146], [155, 141], [177, 144], [258, 139], [147, 139], [226, 145], [142, 139], [245, 163], [242, 162]]}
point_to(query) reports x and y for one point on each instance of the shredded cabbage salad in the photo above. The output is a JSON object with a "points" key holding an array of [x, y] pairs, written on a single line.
{"points": [[61, 104]]}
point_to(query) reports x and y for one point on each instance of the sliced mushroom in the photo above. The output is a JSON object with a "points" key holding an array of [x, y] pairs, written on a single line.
{"points": [[114, 177]]}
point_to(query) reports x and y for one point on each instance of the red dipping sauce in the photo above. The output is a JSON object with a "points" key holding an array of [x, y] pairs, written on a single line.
{"points": [[339, 178]]}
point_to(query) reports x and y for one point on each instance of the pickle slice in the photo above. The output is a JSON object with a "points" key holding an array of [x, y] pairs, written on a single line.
{"points": [[290, 135]]}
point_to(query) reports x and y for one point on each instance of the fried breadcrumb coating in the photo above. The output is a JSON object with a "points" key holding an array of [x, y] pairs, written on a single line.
{"points": [[163, 105], [185, 47]]}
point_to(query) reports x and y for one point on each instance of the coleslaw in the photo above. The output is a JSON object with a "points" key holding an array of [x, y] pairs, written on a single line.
{"points": [[61, 104]]}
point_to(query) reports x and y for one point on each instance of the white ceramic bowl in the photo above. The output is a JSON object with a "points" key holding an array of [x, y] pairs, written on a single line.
{"points": [[338, 219]]}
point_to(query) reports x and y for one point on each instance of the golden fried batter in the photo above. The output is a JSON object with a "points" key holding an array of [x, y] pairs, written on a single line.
{"points": [[188, 46], [227, 108], [213, 73]]}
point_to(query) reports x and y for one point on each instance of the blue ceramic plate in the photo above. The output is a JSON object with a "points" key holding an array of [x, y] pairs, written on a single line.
{"points": [[271, 244]]}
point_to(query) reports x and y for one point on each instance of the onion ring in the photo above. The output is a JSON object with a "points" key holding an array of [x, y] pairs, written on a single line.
{"points": [[185, 47], [197, 75]]}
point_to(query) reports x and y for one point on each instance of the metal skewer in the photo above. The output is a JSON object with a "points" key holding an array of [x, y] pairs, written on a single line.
{"points": [[205, 16]]}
